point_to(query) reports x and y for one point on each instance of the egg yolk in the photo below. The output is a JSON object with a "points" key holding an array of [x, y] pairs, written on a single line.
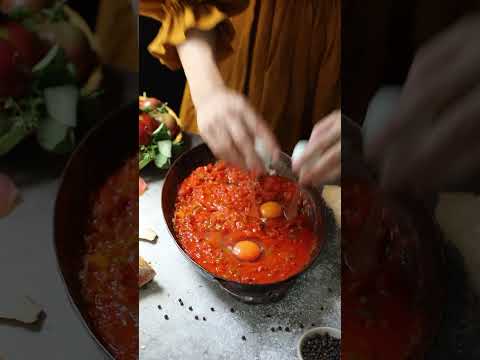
{"points": [[271, 210], [247, 250]]}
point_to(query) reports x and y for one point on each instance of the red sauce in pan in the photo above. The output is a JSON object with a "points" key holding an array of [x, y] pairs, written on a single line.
{"points": [[381, 317], [110, 275], [218, 221]]}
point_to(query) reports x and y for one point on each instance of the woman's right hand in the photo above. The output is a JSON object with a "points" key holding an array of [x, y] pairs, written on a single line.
{"points": [[230, 127], [227, 122]]}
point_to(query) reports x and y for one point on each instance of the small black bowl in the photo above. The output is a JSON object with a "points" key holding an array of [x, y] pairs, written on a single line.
{"points": [[322, 217]]}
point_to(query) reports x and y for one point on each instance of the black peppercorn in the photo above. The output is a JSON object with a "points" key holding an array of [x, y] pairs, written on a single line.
{"points": [[321, 347]]}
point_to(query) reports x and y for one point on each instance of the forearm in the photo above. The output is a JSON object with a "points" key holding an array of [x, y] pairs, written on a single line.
{"points": [[197, 55]]}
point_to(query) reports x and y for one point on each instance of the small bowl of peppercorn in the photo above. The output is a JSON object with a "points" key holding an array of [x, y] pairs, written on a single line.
{"points": [[320, 343]]}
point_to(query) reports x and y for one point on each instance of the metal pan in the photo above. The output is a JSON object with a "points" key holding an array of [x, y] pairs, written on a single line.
{"points": [[427, 245], [321, 216], [103, 151]]}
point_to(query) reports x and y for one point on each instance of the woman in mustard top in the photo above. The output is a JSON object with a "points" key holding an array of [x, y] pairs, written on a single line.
{"points": [[257, 70]]}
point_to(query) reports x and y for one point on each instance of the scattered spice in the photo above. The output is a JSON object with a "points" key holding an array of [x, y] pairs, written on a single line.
{"points": [[159, 307], [244, 338], [196, 317], [190, 308], [166, 317], [212, 309]]}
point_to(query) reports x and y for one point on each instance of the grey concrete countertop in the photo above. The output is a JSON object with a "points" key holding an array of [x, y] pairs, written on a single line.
{"points": [[313, 301], [28, 267], [28, 264]]}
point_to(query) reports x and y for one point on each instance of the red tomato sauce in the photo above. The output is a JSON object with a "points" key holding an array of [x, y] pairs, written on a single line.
{"points": [[219, 205], [110, 275], [380, 319]]}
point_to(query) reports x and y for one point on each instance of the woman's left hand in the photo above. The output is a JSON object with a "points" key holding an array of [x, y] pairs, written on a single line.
{"points": [[321, 162]]}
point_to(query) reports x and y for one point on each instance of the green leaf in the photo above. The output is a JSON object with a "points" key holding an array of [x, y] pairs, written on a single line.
{"points": [[47, 59], [62, 103], [165, 148], [56, 73], [177, 148], [11, 105], [20, 118], [160, 134], [161, 160], [51, 134], [144, 161], [5, 123], [14, 136], [55, 13], [20, 14], [146, 157], [68, 143]]}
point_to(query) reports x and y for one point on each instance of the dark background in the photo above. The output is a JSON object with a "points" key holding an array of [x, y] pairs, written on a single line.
{"points": [[88, 9], [156, 79]]}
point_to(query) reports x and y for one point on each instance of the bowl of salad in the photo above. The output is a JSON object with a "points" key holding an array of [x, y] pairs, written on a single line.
{"points": [[49, 72], [160, 136]]}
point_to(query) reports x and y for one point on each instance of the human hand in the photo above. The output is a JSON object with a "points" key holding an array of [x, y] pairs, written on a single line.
{"points": [[230, 126], [321, 162], [433, 138], [8, 195]]}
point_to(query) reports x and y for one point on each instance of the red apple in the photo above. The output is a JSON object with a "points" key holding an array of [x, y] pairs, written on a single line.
{"points": [[142, 186], [30, 47], [75, 44], [146, 103], [8, 6], [146, 126], [13, 71]]}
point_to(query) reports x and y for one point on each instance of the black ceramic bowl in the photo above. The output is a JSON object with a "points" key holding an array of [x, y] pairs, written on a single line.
{"points": [[101, 153], [321, 216]]}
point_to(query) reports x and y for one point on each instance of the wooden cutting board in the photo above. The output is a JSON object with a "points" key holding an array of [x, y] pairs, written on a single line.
{"points": [[333, 197]]}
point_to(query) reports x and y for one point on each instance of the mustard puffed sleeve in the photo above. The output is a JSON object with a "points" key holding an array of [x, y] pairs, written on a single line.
{"points": [[179, 16]]}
